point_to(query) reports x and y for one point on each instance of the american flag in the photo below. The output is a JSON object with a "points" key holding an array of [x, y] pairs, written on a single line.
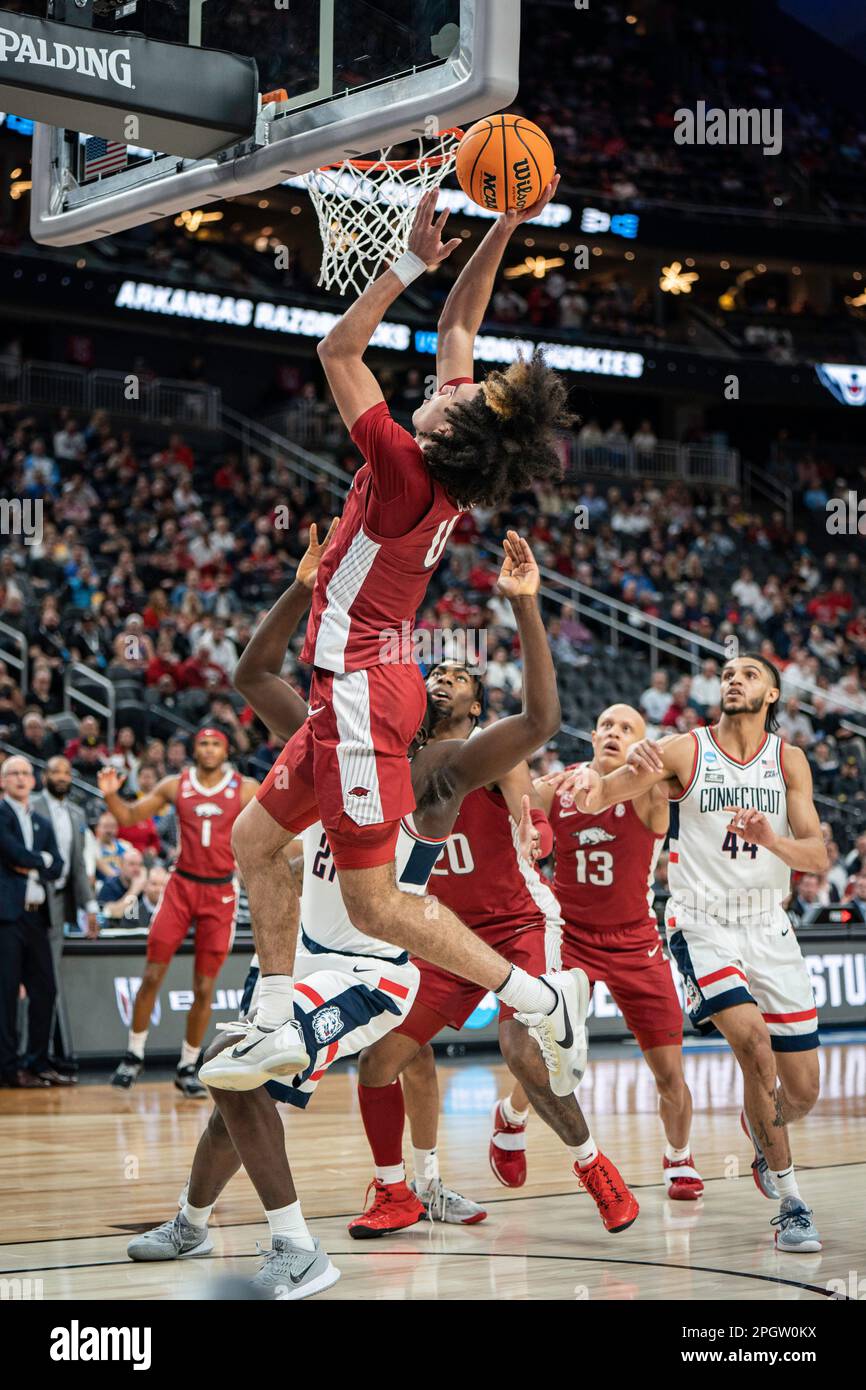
{"points": [[103, 156]]}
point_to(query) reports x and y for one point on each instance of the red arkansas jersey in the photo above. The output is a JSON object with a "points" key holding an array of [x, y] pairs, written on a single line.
{"points": [[481, 874], [205, 816], [369, 587], [604, 866]]}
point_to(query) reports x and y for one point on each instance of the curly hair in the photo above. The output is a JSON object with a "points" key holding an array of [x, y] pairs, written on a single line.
{"points": [[504, 438]]}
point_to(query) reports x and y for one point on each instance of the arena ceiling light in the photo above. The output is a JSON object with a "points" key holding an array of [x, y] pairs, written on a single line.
{"points": [[538, 266], [675, 280]]}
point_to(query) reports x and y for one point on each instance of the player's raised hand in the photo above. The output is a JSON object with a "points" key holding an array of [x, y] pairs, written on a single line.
{"points": [[528, 836], [109, 781], [752, 826], [514, 219], [519, 574], [644, 756], [309, 562], [586, 790], [425, 238]]}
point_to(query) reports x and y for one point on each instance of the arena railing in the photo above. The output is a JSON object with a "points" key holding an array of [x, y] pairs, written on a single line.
{"points": [[659, 636], [17, 656], [73, 693], [668, 461], [277, 448], [165, 400]]}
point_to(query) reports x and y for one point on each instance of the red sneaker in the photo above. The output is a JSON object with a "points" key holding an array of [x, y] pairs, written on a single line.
{"points": [[393, 1208], [507, 1152], [616, 1206], [682, 1180]]}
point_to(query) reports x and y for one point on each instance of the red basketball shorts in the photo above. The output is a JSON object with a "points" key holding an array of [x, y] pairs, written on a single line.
{"points": [[632, 964], [347, 765], [445, 1000], [211, 906]]}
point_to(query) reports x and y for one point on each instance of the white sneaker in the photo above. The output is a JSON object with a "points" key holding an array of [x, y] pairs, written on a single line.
{"points": [[561, 1035], [258, 1055]]}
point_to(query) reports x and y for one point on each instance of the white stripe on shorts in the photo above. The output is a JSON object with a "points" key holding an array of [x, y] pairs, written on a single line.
{"points": [[355, 753]]}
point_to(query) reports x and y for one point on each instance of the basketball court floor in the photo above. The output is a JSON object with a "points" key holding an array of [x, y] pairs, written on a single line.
{"points": [[83, 1170]]}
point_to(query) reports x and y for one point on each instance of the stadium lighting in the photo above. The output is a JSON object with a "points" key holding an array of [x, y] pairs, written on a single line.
{"points": [[538, 266], [675, 280]]}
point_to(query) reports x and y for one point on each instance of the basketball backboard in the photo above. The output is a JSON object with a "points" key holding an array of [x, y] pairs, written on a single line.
{"points": [[351, 76]]}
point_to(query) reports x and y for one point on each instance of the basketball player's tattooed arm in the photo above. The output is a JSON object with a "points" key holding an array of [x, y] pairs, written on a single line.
{"points": [[804, 849], [163, 795], [353, 385], [467, 303], [257, 675], [493, 753]]}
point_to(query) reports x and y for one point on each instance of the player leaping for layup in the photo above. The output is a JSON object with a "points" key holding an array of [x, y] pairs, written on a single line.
{"points": [[742, 817], [207, 799], [474, 443]]}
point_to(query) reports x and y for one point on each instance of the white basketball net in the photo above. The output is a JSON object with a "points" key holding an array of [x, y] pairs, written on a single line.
{"points": [[366, 210]]}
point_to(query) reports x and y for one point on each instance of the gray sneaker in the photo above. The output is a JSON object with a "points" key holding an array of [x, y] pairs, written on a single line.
{"points": [[288, 1271], [797, 1233], [760, 1166], [173, 1240], [441, 1204]]}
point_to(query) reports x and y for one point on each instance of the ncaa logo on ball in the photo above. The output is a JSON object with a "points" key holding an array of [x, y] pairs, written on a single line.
{"points": [[327, 1023]]}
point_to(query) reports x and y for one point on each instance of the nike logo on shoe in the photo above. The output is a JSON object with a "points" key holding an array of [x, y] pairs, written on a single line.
{"points": [[568, 1040], [243, 1051]]}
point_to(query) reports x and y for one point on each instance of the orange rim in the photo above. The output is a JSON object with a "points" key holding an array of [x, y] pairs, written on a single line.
{"points": [[365, 165]]}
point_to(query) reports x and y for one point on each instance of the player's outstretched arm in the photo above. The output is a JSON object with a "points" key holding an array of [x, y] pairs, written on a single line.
{"points": [[163, 795], [467, 303], [803, 850], [494, 752], [354, 387], [594, 793], [257, 675]]}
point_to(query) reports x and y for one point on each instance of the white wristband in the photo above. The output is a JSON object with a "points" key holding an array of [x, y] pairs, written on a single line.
{"points": [[408, 268]]}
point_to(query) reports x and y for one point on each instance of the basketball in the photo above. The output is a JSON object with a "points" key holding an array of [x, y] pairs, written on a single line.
{"points": [[504, 162]]}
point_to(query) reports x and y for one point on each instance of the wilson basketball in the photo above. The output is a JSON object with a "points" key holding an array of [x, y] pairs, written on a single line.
{"points": [[504, 162]]}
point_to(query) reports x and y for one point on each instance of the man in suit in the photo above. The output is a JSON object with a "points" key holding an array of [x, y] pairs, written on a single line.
{"points": [[71, 891], [29, 861]]}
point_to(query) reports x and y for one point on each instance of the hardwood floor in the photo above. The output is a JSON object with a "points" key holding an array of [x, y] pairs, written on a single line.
{"points": [[82, 1170]]}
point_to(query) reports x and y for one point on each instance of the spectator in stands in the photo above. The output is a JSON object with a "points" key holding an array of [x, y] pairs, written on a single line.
{"points": [[837, 875], [811, 894], [591, 435], [706, 689], [43, 693], [674, 717], [747, 591], [794, 725], [118, 895], [503, 673], [855, 860], [263, 759], [223, 716], [825, 768], [644, 439], [857, 899], [69, 442], [849, 783], [140, 914], [109, 849], [37, 740], [217, 649], [176, 756], [656, 699], [11, 704]]}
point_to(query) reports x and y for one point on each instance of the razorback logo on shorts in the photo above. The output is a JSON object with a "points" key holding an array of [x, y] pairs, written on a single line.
{"points": [[359, 791]]}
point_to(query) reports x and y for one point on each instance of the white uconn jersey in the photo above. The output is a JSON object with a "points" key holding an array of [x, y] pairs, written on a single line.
{"points": [[325, 922], [713, 871]]}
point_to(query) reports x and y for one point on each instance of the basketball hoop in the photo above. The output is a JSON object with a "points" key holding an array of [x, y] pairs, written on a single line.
{"points": [[366, 208]]}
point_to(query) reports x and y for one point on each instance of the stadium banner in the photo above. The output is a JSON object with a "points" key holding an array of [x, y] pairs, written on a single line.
{"points": [[124, 87], [101, 979]]}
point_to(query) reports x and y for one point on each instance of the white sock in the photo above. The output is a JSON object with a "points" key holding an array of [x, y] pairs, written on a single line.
{"points": [[786, 1182], [514, 1117], [289, 1221], [137, 1042], [677, 1155], [276, 1001], [395, 1173], [188, 1054], [584, 1154], [197, 1216], [426, 1163], [526, 994]]}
